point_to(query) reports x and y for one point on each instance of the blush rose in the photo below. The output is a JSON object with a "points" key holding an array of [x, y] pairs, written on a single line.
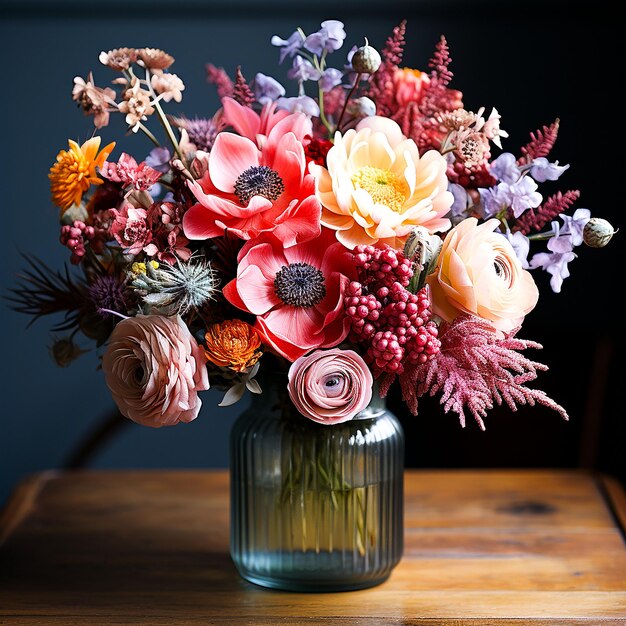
{"points": [[330, 386], [154, 369], [479, 273]]}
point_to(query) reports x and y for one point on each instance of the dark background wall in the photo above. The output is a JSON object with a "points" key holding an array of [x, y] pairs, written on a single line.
{"points": [[533, 61]]}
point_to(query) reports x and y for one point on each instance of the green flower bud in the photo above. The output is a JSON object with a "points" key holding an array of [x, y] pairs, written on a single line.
{"points": [[597, 232], [366, 60]]}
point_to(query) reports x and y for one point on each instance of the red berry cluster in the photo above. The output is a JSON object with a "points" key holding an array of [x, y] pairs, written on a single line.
{"points": [[74, 237], [386, 316]]}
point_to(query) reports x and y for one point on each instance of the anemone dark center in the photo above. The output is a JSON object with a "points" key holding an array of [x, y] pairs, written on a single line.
{"points": [[300, 284], [258, 180]]}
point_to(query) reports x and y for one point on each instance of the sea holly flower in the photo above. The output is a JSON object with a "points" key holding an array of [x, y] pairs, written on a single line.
{"points": [[329, 38], [330, 386], [542, 170], [479, 273], [75, 171], [201, 132], [267, 89], [247, 191], [377, 188], [296, 292], [288, 47]]}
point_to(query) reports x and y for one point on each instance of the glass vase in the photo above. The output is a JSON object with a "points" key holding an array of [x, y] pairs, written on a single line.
{"points": [[316, 507]]}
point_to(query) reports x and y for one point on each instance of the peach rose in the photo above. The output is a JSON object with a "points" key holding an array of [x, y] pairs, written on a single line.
{"points": [[479, 273], [330, 386], [154, 369]]}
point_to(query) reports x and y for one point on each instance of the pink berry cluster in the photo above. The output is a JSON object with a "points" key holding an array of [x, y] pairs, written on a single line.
{"points": [[385, 315], [74, 237]]}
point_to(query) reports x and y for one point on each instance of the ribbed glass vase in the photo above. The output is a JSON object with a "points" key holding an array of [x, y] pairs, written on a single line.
{"points": [[316, 507]]}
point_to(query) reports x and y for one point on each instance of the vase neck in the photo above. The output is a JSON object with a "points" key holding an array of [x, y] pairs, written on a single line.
{"points": [[375, 408]]}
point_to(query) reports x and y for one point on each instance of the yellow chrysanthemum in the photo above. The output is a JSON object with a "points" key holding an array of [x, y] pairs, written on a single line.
{"points": [[75, 171]]}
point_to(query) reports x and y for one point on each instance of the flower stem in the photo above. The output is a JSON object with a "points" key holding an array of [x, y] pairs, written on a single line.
{"points": [[163, 119], [350, 94], [149, 134]]}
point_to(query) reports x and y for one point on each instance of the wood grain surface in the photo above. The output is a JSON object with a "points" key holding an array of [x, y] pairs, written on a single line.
{"points": [[482, 548]]}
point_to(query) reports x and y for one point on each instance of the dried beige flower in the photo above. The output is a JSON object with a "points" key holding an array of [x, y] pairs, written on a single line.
{"points": [[168, 86], [136, 105], [119, 59], [154, 59], [94, 100]]}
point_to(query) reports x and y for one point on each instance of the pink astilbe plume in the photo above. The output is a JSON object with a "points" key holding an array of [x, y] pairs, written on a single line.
{"points": [[536, 219], [440, 72], [381, 86], [541, 143], [475, 369], [241, 90], [217, 76]]}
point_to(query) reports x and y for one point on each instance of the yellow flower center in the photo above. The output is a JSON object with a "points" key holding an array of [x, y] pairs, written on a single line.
{"points": [[382, 185]]}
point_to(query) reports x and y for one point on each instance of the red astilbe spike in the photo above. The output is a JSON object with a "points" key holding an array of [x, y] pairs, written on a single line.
{"points": [[476, 369], [217, 76], [553, 207], [438, 97], [541, 143], [381, 88], [241, 90], [439, 63]]}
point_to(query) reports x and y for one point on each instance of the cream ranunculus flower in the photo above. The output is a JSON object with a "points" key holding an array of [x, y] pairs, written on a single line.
{"points": [[377, 188], [479, 273]]}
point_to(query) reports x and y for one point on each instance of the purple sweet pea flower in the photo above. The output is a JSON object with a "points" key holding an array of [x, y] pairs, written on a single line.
{"points": [[575, 224], [521, 245], [159, 159], [541, 170], [303, 70], [330, 38], [555, 263], [305, 104], [288, 47], [504, 168], [330, 78], [460, 204], [524, 195], [267, 89], [494, 199]]}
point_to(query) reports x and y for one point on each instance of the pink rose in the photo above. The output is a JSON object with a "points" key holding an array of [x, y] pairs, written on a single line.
{"points": [[154, 369], [330, 386]]}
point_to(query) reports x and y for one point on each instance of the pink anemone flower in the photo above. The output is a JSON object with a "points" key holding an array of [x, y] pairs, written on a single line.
{"points": [[248, 191], [296, 293], [257, 127]]}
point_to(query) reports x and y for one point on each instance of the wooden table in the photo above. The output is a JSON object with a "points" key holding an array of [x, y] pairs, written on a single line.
{"points": [[482, 548]]}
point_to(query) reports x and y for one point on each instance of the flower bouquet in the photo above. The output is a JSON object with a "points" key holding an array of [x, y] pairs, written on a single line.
{"points": [[312, 245]]}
